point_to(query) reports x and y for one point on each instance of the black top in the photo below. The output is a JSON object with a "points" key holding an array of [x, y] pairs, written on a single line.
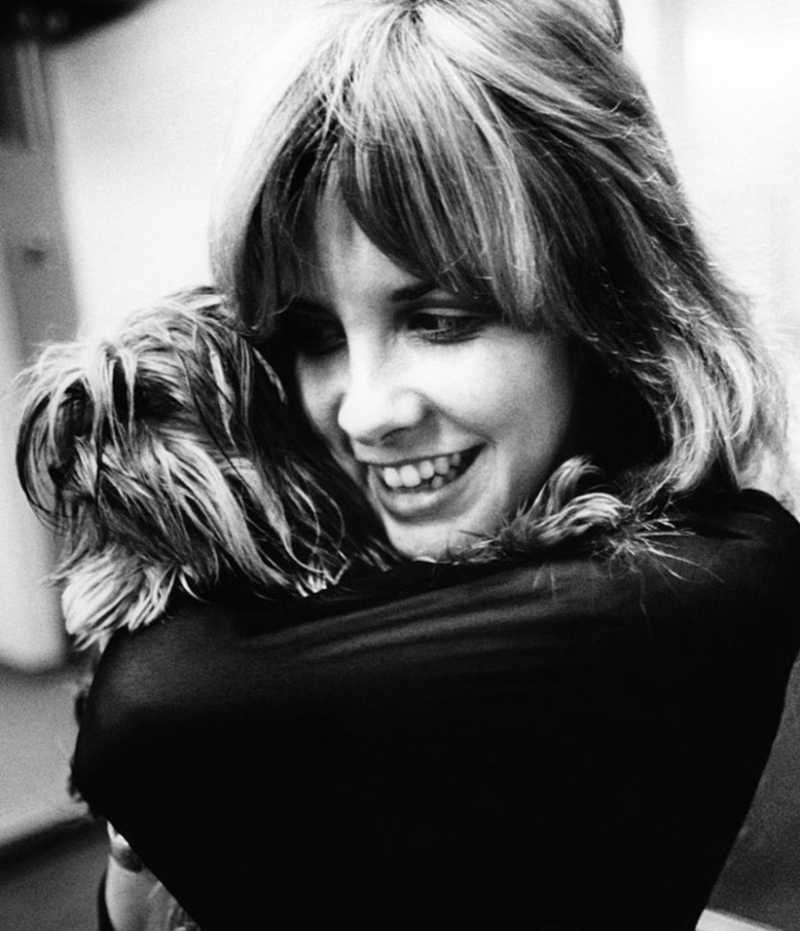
{"points": [[570, 744]]}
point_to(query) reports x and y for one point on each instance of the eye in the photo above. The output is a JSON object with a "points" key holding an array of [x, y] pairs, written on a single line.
{"points": [[313, 334], [447, 326]]}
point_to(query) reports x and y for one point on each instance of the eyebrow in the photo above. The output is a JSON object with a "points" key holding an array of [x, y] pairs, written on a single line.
{"points": [[305, 305], [405, 293], [412, 292]]}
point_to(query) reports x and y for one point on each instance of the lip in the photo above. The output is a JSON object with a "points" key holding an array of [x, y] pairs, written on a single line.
{"points": [[398, 463], [419, 504]]}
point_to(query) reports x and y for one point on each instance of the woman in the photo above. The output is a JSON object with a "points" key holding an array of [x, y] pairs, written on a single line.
{"points": [[512, 410]]}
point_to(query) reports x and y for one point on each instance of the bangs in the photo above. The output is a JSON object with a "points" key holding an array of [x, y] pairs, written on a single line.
{"points": [[434, 168], [478, 161]]}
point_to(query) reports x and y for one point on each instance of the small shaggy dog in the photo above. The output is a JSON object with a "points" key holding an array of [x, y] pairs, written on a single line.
{"points": [[162, 456]]}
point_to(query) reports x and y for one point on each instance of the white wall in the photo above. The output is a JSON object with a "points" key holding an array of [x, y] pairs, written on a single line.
{"points": [[141, 109], [725, 78], [35, 305], [743, 162], [30, 634]]}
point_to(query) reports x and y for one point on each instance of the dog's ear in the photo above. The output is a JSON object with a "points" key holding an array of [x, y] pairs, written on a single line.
{"points": [[134, 449], [58, 416], [78, 404], [112, 589], [77, 463]]}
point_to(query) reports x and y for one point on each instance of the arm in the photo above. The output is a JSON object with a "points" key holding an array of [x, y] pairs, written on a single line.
{"points": [[571, 732], [126, 888]]}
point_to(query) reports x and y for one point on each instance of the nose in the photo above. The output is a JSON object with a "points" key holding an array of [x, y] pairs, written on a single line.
{"points": [[379, 400]]}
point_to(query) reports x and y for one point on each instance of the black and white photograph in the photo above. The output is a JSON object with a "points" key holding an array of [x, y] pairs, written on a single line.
{"points": [[399, 465]]}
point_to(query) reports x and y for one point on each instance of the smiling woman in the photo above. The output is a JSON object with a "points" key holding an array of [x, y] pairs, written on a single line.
{"points": [[421, 549], [444, 414]]}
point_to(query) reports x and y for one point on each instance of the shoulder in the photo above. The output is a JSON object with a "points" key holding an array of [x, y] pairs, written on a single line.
{"points": [[730, 560], [727, 563], [722, 576], [750, 519]]}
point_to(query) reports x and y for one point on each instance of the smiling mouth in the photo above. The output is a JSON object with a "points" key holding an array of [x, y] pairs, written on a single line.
{"points": [[425, 474]]}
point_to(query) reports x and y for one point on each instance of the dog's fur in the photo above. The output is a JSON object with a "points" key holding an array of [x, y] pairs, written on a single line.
{"points": [[162, 456]]}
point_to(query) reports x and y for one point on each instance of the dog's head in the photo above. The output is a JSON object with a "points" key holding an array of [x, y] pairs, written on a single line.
{"points": [[162, 457]]}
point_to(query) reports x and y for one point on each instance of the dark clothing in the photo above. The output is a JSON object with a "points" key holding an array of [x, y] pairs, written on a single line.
{"points": [[561, 744], [103, 918]]}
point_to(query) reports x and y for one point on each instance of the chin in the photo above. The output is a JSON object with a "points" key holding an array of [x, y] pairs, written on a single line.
{"points": [[430, 543], [452, 533]]}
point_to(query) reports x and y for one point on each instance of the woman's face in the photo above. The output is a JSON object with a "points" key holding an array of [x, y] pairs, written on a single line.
{"points": [[447, 418]]}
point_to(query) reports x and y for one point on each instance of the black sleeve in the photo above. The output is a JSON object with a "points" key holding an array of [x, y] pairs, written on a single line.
{"points": [[576, 741]]}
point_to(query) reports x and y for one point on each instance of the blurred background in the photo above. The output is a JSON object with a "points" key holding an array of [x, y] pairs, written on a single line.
{"points": [[113, 122]]}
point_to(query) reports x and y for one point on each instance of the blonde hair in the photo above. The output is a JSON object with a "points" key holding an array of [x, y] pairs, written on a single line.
{"points": [[509, 151], [163, 455]]}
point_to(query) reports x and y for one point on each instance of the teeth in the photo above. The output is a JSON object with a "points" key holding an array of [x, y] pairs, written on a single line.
{"points": [[409, 476], [436, 472], [392, 477], [426, 469]]}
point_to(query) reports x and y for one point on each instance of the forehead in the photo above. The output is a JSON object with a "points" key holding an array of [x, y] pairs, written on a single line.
{"points": [[340, 261], [332, 208], [336, 239]]}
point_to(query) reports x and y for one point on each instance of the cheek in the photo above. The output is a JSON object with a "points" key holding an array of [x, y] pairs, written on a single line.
{"points": [[520, 394], [314, 389]]}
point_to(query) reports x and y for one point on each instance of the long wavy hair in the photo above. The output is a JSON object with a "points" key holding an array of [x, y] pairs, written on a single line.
{"points": [[164, 457], [509, 152]]}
